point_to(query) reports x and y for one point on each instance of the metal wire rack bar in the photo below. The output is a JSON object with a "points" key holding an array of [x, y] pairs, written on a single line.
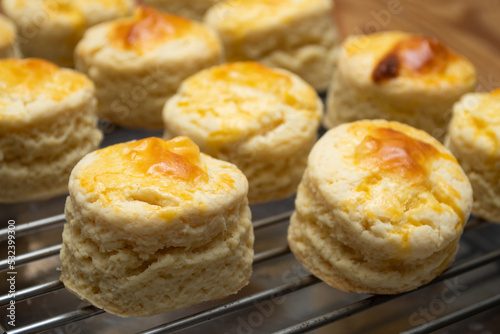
{"points": [[359, 306], [245, 302], [234, 306], [73, 316], [28, 227], [32, 256], [33, 291], [456, 316]]}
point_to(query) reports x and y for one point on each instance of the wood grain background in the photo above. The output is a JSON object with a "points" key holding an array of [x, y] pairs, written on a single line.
{"points": [[470, 27]]}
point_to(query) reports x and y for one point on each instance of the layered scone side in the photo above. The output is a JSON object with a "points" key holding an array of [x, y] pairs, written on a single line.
{"points": [[48, 122], [474, 137], [50, 29], [299, 36], [192, 9], [401, 77], [263, 120], [380, 209], [137, 63], [9, 47], [155, 213]]}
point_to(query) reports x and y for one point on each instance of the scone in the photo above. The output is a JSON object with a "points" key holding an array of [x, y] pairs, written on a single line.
{"points": [[474, 137], [192, 9], [154, 226], [297, 35], [9, 47], [400, 77], [48, 122], [381, 208], [50, 29], [263, 120], [138, 63]]}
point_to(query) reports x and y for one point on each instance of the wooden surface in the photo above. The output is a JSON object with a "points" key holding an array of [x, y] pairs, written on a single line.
{"points": [[470, 27]]}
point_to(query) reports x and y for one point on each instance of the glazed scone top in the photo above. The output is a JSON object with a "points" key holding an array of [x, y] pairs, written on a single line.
{"points": [[152, 184], [29, 86], [476, 120], [239, 17], [7, 32], [233, 102], [395, 185], [392, 55], [150, 28]]}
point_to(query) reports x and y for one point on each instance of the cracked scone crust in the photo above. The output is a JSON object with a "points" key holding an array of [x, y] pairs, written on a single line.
{"points": [[400, 77], [296, 35], [155, 226], [138, 63], [263, 120], [50, 29], [474, 139], [48, 122], [380, 210]]}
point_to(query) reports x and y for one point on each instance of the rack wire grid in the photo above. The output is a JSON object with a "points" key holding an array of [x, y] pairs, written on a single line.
{"points": [[282, 297]]}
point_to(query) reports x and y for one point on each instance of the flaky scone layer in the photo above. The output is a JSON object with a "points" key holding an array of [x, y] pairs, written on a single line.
{"points": [[50, 29], [474, 137], [138, 63], [263, 120], [154, 226], [380, 209], [400, 77], [296, 35], [48, 122]]}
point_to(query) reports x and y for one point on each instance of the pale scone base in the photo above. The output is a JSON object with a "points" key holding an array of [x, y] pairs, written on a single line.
{"points": [[127, 282], [331, 259], [485, 182], [425, 108], [306, 46], [54, 37], [133, 93], [38, 159]]}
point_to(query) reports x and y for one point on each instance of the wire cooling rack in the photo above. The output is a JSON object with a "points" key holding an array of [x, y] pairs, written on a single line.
{"points": [[282, 296]]}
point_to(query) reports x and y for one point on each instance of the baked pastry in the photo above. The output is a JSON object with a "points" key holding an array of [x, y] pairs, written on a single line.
{"points": [[137, 63], [192, 9], [9, 47], [263, 120], [381, 208], [50, 29], [398, 76], [474, 137], [297, 35], [154, 226], [48, 123]]}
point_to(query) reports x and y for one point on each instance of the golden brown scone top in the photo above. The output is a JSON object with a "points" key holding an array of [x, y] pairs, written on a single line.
{"points": [[150, 28], [226, 77], [237, 101], [238, 17], [394, 176], [403, 55], [26, 80], [172, 166], [394, 153]]}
